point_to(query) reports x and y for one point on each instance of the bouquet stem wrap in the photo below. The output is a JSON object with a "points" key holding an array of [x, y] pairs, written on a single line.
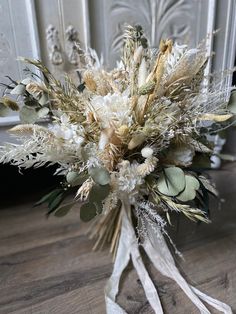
{"points": [[157, 250]]}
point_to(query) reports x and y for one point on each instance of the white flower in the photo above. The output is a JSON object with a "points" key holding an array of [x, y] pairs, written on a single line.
{"points": [[128, 179], [67, 131], [112, 109], [147, 152]]}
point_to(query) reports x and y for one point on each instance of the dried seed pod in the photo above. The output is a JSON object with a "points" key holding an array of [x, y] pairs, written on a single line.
{"points": [[34, 88], [122, 133], [9, 103], [123, 130], [136, 140], [147, 167], [147, 88], [90, 117], [90, 81]]}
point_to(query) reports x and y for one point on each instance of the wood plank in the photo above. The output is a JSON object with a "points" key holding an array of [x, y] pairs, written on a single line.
{"points": [[47, 266]]}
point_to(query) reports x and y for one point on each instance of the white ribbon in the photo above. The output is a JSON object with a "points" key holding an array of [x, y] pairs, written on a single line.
{"points": [[128, 248], [159, 253]]}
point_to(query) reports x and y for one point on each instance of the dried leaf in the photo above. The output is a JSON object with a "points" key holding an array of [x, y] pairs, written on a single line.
{"points": [[9, 103], [216, 117], [208, 185], [4, 111]]}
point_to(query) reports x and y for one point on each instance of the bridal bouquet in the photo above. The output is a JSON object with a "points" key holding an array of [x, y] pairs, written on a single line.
{"points": [[132, 144]]}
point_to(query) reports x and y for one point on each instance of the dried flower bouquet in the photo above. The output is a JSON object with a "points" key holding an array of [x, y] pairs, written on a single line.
{"points": [[132, 142]]}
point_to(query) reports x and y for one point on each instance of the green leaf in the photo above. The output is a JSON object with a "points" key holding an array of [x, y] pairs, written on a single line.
{"points": [[191, 187], [172, 181], [18, 90], [28, 114], [43, 99], [26, 81], [64, 209], [48, 197], [232, 102], [100, 175], [42, 112], [74, 178], [53, 204], [98, 193], [87, 212]]}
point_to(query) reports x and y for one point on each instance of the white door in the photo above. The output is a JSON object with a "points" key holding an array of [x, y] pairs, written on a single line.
{"points": [[47, 29], [18, 37]]}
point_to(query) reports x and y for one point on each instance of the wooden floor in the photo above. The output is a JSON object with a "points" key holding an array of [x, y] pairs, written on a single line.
{"points": [[47, 266]]}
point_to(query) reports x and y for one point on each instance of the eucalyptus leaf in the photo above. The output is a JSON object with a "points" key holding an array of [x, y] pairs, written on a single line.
{"points": [[43, 112], [48, 197], [189, 193], [172, 181], [28, 114], [98, 193], [55, 203], [87, 212], [64, 209], [26, 81], [18, 90], [43, 99], [74, 178], [100, 175]]}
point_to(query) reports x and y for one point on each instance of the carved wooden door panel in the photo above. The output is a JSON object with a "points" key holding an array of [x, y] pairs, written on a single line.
{"points": [[184, 21], [187, 21]]}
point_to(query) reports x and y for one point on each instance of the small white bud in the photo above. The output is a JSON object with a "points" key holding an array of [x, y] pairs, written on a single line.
{"points": [[147, 152]]}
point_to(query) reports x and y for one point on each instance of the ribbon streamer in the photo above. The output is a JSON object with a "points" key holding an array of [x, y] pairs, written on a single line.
{"points": [[159, 253]]}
